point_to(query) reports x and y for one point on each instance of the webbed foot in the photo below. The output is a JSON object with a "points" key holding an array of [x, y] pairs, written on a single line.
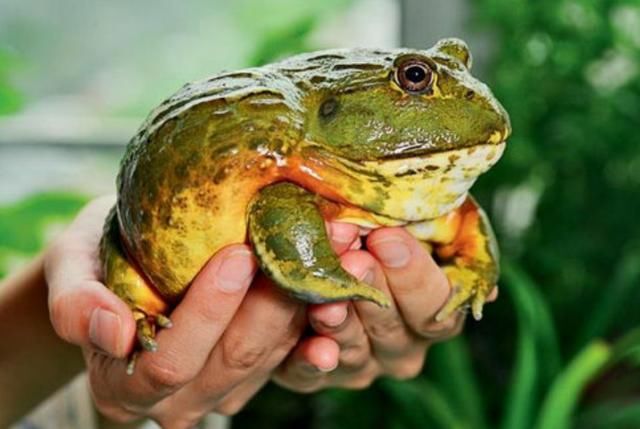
{"points": [[146, 328], [469, 289]]}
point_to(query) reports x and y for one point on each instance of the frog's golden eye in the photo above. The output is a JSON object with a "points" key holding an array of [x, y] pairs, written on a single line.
{"points": [[414, 76]]}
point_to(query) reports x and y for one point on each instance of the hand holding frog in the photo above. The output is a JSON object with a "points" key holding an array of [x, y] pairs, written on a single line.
{"points": [[234, 338], [358, 342], [237, 336]]}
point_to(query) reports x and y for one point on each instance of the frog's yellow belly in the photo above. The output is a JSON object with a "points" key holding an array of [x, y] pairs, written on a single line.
{"points": [[186, 227]]}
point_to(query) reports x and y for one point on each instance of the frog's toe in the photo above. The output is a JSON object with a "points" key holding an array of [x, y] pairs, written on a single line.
{"points": [[458, 301], [163, 321], [470, 289], [477, 303], [146, 327], [146, 334], [131, 362]]}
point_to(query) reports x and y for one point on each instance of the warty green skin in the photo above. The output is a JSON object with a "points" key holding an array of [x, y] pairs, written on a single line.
{"points": [[249, 130], [292, 246]]}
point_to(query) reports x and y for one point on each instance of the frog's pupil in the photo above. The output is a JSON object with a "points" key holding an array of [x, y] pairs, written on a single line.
{"points": [[415, 74]]}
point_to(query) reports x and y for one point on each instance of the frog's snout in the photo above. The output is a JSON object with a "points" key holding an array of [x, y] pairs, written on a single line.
{"points": [[501, 134], [502, 127], [506, 129]]}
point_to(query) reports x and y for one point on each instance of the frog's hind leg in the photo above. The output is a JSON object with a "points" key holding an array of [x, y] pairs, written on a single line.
{"points": [[290, 240], [464, 242], [121, 277]]}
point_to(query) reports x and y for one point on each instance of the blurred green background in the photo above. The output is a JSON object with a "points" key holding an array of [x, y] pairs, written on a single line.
{"points": [[559, 349]]}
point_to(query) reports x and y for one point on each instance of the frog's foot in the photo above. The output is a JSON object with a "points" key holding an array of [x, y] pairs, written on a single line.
{"points": [[469, 289], [123, 279], [146, 328], [292, 246], [464, 242]]}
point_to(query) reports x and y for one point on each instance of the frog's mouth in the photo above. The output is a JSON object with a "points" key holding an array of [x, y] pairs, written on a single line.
{"points": [[421, 187], [462, 163], [403, 190]]}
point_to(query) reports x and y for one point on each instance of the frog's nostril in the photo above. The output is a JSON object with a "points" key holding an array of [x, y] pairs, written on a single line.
{"points": [[328, 107]]}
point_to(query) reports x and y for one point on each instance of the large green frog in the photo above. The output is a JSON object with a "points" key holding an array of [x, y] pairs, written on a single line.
{"points": [[371, 137]]}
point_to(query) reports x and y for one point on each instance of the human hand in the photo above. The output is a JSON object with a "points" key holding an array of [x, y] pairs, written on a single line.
{"points": [[357, 341], [225, 342]]}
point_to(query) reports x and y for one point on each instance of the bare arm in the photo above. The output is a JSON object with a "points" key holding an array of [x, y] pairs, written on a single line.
{"points": [[34, 361]]}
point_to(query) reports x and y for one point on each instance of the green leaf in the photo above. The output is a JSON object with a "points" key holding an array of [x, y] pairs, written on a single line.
{"points": [[611, 298], [562, 398], [520, 399], [564, 394], [610, 415], [529, 300], [451, 362], [537, 355], [418, 401], [25, 225]]}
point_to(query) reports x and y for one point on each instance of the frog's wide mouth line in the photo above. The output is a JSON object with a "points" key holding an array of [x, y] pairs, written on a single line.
{"points": [[472, 161]]}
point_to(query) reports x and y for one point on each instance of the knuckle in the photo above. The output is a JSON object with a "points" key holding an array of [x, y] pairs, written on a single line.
{"points": [[238, 355], [182, 422], [363, 379], [360, 382], [354, 357], [305, 388], [230, 407], [407, 370], [164, 375], [113, 412], [443, 330], [298, 384], [118, 416], [287, 344], [57, 315], [386, 328]]}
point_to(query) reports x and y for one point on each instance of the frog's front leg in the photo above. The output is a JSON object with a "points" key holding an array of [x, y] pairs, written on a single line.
{"points": [[293, 249], [464, 242]]}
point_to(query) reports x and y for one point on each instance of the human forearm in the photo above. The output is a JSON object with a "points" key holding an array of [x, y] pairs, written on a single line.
{"points": [[34, 361]]}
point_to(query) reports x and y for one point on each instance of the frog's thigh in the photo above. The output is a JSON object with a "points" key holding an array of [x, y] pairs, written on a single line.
{"points": [[123, 279], [293, 249], [463, 240]]}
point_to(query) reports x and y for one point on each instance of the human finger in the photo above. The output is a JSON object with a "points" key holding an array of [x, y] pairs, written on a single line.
{"points": [[417, 283], [199, 322], [264, 330], [82, 310]]}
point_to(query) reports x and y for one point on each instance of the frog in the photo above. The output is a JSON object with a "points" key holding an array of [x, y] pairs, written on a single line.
{"points": [[266, 155]]}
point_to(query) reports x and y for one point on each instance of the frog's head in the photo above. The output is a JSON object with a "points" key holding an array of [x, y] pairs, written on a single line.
{"points": [[416, 120], [405, 103]]}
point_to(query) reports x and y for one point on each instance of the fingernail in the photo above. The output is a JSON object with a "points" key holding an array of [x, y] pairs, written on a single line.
{"points": [[104, 330], [336, 316], [393, 252], [236, 271]]}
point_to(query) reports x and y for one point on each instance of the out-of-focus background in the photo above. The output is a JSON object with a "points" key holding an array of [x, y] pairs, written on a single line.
{"points": [[559, 349]]}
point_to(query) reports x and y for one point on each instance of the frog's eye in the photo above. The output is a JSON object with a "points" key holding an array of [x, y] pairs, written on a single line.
{"points": [[414, 76]]}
